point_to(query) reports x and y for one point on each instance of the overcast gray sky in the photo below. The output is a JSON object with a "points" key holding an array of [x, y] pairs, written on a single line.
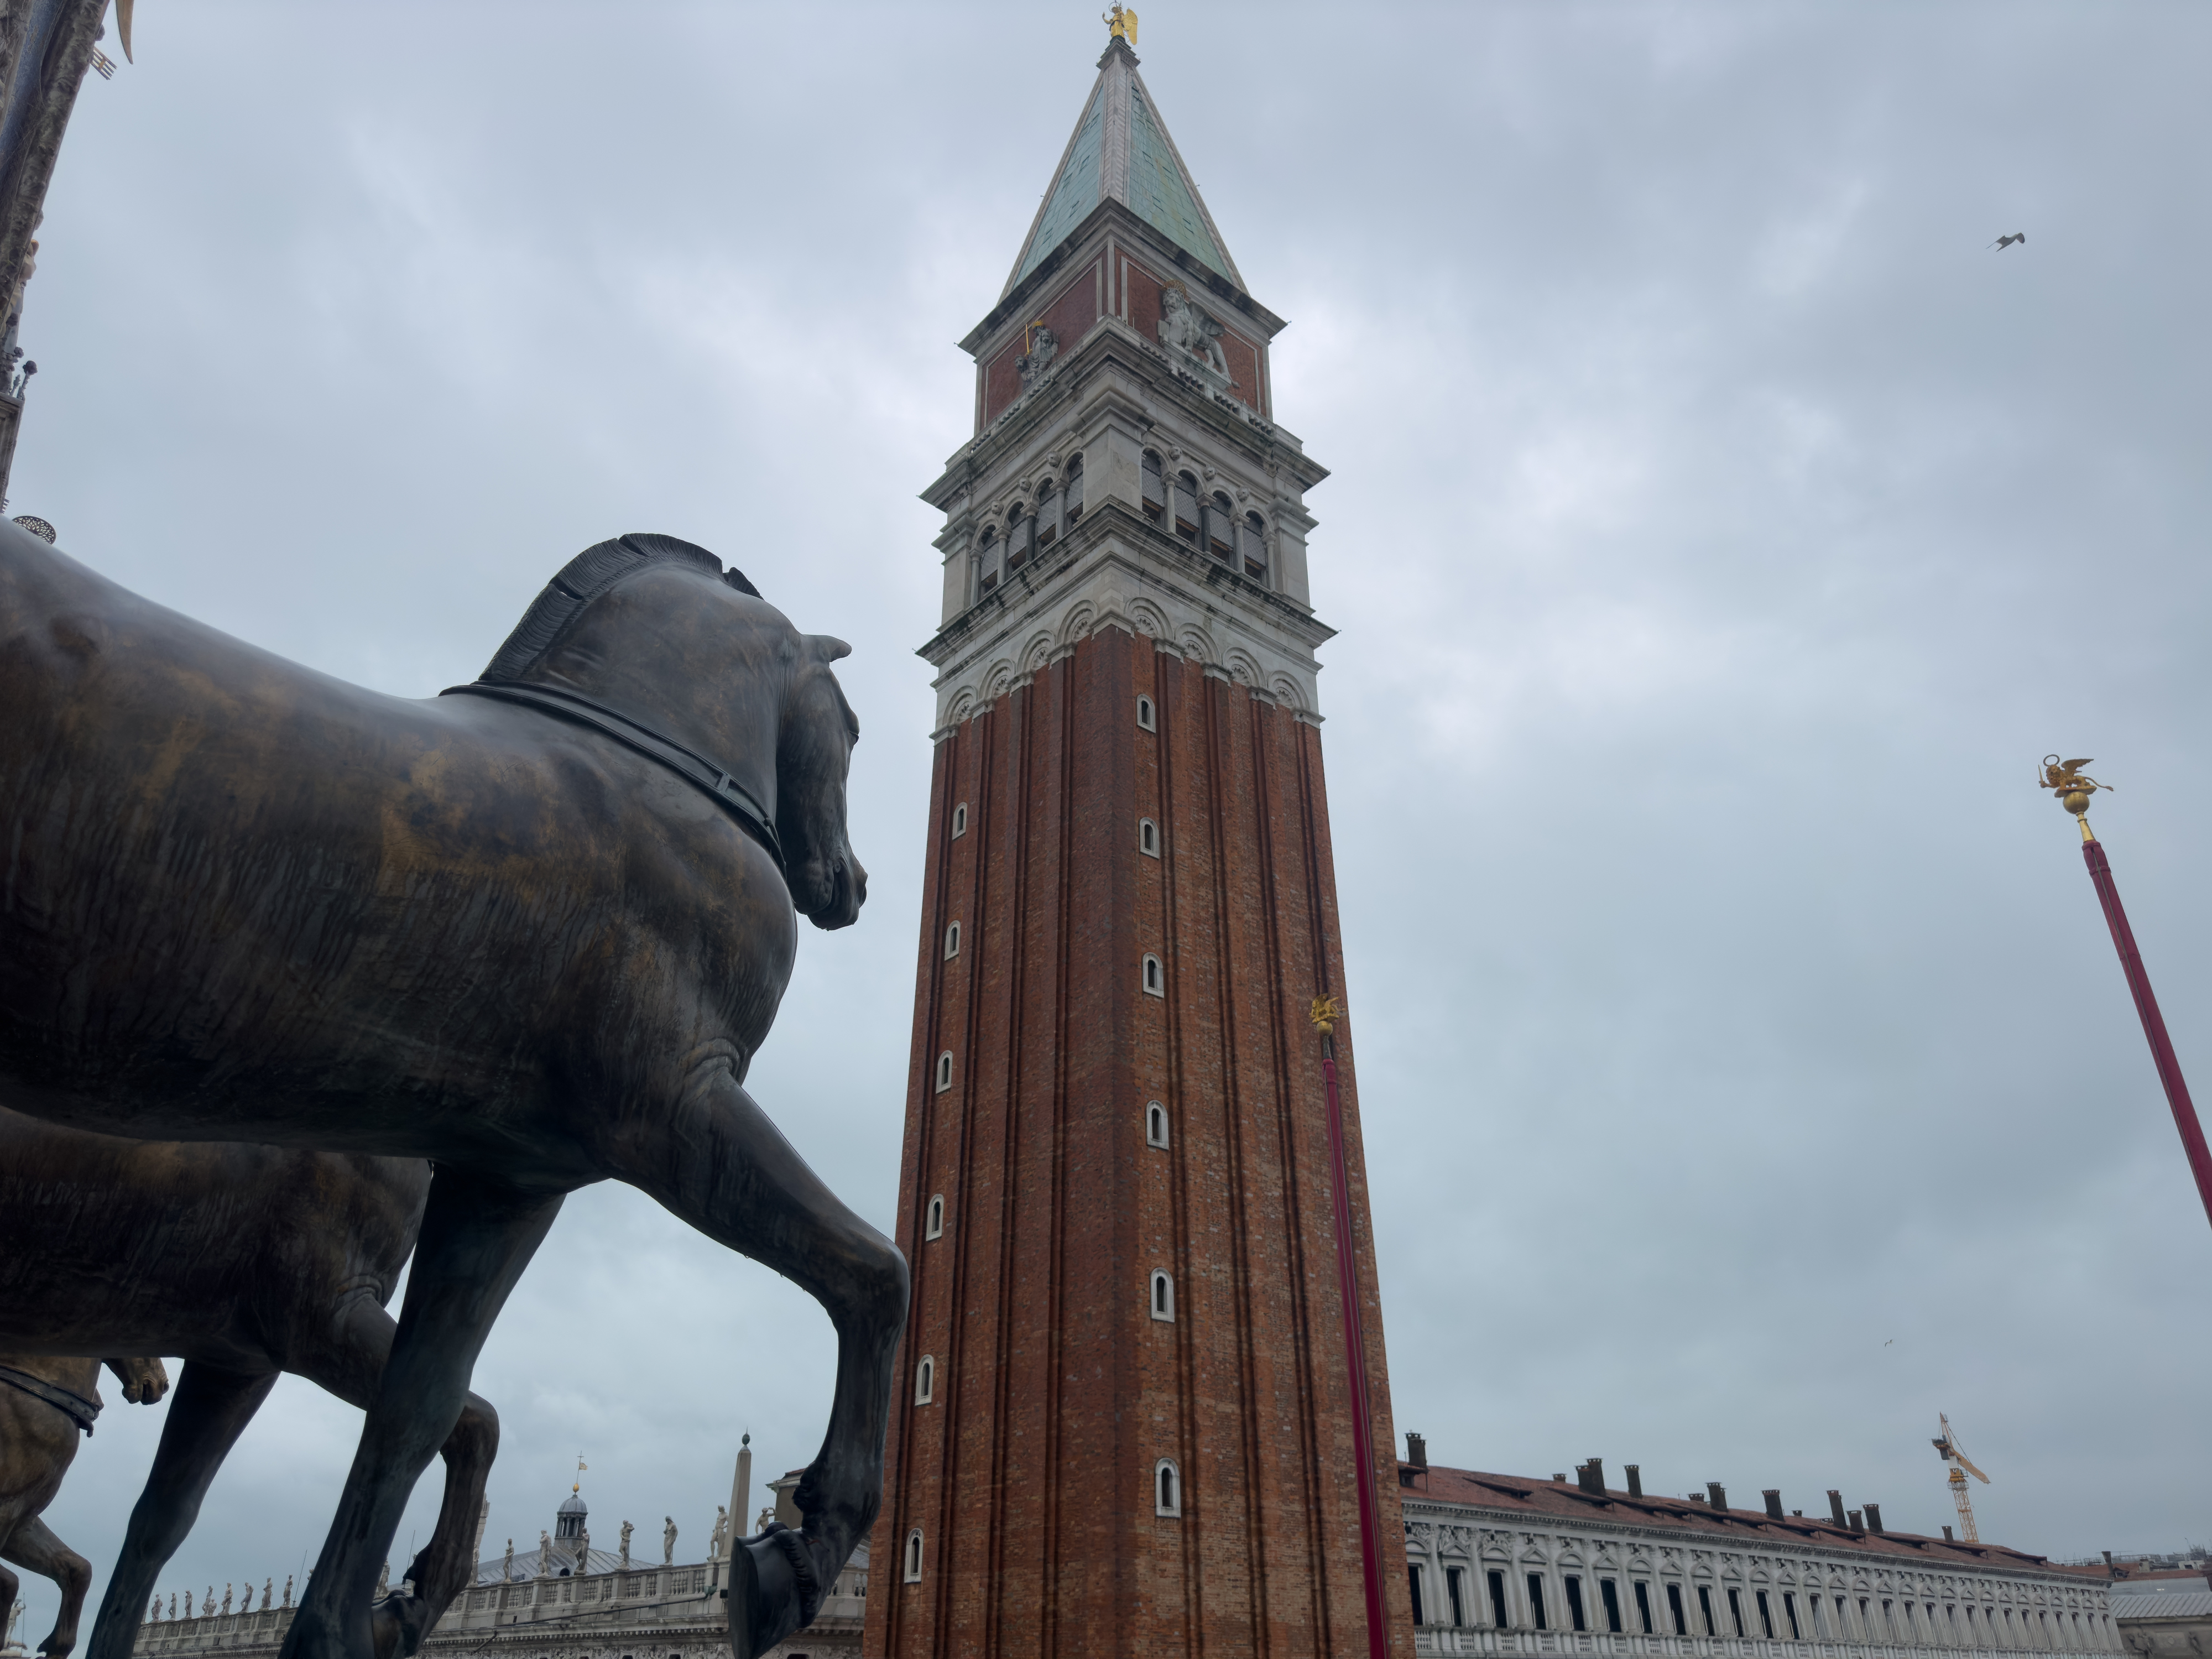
{"points": [[1720, 530]]}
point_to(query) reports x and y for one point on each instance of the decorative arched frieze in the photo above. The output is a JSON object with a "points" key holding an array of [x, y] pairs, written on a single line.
{"points": [[1148, 619], [1079, 624], [1244, 671], [1196, 643], [1038, 653]]}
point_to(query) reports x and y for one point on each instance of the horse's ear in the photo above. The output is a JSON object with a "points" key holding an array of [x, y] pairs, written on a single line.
{"points": [[828, 648]]}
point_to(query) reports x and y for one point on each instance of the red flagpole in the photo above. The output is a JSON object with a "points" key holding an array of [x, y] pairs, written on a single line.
{"points": [[2154, 1022], [2066, 780], [1355, 1347]]}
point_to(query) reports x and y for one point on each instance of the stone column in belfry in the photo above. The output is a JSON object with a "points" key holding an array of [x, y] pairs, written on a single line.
{"points": [[1125, 1419]]}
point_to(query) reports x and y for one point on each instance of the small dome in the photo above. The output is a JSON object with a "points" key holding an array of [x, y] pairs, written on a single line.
{"points": [[573, 1505]]}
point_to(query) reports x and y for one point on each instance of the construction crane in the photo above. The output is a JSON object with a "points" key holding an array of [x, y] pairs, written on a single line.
{"points": [[1946, 1447]]}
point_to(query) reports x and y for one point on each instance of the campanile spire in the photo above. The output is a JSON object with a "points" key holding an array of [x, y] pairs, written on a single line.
{"points": [[1144, 1403]]}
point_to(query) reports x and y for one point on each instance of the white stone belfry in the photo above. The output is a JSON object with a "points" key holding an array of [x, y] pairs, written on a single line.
{"points": [[1133, 478]]}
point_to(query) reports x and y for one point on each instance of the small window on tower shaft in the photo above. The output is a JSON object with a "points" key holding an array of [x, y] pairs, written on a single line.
{"points": [[951, 941], [1155, 979], [1156, 1124], [960, 820], [1162, 1297], [914, 1557], [1148, 838], [933, 1224], [925, 1381], [1167, 1488], [944, 1070], [1146, 721]]}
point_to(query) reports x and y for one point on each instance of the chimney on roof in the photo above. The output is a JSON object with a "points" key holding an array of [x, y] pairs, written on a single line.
{"points": [[1635, 1479], [1836, 1507], [2108, 1554], [1716, 1494], [1590, 1476], [1560, 1479], [1773, 1497], [1417, 1451], [1873, 1518], [1947, 1537], [1858, 1525]]}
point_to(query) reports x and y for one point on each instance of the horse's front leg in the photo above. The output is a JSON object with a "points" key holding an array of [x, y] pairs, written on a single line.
{"points": [[477, 1236], [719, 1164]]}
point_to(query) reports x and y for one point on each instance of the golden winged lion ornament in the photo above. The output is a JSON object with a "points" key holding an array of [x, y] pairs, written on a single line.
{"points": [[2073, 786]]}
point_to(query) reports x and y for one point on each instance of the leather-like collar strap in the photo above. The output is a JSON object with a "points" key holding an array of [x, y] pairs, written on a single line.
{"points": [[688, 765], [74, 1406]]}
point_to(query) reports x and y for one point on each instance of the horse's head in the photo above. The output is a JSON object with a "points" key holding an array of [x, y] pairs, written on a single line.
{"points": [[814, 752], [654, 630]]}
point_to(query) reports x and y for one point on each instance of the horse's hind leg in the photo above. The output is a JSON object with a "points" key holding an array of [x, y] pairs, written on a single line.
{"points": [[723, 1167], [34, 1545], [477, 1236], [207, 1413], [350, 1365]]}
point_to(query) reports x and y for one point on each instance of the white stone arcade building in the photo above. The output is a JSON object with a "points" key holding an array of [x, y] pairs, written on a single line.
{"points": [[1508, 1565]]}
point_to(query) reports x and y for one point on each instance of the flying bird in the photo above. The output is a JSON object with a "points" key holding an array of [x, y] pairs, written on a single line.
{"points": [[2005, 242]]}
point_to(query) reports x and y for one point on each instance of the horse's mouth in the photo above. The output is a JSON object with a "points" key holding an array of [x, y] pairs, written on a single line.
{"points": [[849, 891]]}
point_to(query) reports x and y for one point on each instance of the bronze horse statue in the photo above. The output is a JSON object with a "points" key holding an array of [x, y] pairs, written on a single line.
{"points": [[44, 1403], [535, 934], [247, 1261]]}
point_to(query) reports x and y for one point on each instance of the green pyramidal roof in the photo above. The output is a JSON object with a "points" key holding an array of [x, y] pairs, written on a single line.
{"points": [[1121, 150]]}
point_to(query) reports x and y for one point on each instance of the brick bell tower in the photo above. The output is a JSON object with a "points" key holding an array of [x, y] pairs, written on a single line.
{"points": [[1138, 1413]]}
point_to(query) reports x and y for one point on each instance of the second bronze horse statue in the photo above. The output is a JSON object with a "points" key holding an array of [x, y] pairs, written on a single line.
{"points": [[535, 934], [246, 1261]]}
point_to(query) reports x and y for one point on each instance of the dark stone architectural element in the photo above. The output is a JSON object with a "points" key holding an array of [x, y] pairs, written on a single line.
{"points": [[45, 47], [535, 936], [1125, 1419]]}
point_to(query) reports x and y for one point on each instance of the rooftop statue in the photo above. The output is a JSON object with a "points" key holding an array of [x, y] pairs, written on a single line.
{"points": [[534, 932], [245, 1260]]}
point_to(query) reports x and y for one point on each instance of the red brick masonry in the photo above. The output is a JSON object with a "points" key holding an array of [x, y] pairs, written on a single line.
{"points": [[1031, 1473]]}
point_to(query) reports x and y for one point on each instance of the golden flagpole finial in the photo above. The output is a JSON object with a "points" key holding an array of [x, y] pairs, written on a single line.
{"points": [[1327, 1011], [2066, 780], [1120, 23]]}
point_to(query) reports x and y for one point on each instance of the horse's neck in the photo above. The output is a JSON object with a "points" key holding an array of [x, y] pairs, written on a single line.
{"points": [[730, 716], [80, 1377]]}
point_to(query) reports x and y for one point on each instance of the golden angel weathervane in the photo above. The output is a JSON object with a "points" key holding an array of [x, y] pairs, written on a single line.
{"points": [[1120, 23]]}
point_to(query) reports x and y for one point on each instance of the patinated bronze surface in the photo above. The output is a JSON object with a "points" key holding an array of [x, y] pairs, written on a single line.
{"points": [[46, 1403], [244, 1261], [241, 901]]}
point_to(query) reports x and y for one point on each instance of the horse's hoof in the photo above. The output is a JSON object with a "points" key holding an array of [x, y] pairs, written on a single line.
{"points": [[396, 1626], [766, 1602]]}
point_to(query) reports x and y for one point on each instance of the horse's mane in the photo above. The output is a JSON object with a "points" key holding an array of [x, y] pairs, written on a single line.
{"points": [[582, 579]]}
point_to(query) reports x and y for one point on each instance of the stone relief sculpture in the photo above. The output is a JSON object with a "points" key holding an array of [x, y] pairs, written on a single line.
{"points": [[649, 705], [1043, 346], [247, 1260], [46, 1404], [1186, 329]]}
